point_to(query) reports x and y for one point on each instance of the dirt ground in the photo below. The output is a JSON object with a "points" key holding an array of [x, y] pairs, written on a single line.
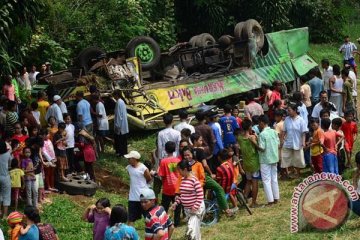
{"points": [[109, 182]]}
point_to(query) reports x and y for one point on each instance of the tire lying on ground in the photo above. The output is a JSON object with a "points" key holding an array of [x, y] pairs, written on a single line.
{"points": [[78, 186], [86, 57], [205, 39], [238, 30], [146, 49], [252, 28]]}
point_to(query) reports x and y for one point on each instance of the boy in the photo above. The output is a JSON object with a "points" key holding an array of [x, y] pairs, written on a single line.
{"points": [[228, 125], [139, 177], [315, 146], [168, 134], [269, 157], [251, 163], [350, 133], [341, 155], [330, 162], [59, 142], [74, 165], [157, 223], [17, 179], [169, 176]]}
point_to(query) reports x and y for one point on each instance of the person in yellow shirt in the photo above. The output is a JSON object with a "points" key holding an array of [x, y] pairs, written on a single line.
{"points": [[16, 175], [43, 106], [315, 146]]}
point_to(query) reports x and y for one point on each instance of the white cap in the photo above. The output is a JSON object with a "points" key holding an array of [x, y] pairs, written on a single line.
{"points": [[56, 97], [147, 194], [133, 154]]}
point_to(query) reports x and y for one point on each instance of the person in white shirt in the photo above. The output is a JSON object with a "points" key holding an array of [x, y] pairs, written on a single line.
{"points": [[168, 134], [324, 103], [102, 122], [55, 111], [35, 112], [353, 78], [74, 165], [348, 49], [32, 75], [327, 74], [183, 114]]}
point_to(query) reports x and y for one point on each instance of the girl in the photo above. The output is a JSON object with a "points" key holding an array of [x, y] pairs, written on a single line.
{"points": [[16, 175], [33, 131], [192, 198], [29, 177], [87, 145], [118, 228], [30, 231], [16, 150], [59, 142], [5, 181], [53, 127], [14, 221], [74, 165], [99, 214], [49, 155], [18, 135]]}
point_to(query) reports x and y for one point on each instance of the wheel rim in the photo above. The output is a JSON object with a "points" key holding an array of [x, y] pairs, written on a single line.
{"points": [[145, 52], [210, 213]]}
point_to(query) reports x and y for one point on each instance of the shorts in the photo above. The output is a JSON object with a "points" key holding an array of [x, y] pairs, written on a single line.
{"points": [[351, 62], [15, 192], [292, 158], [253, 175], [317, 162], [330, 163], [348, 146], [102, 133], [135, 211]]}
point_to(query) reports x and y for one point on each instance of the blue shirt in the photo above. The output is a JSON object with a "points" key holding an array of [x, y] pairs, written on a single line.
{"points": [[121, 231], [316, 86], [294, 129], [120, 118], [303, 113], [228, 126], [32, 234], [219, 144], [83, 109]]}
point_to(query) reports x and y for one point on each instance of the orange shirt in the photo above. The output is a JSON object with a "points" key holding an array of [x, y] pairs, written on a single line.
{"points": [[14, 233], [330, 138], [198, 171], [317, 139]]}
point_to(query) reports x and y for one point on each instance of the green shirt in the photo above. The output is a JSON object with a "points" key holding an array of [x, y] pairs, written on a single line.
{"points": [[16, 86], [249, 154], [347, 89], [269, 141]]}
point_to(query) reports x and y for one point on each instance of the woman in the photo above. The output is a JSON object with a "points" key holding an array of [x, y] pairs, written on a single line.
{"points": [[118, 230], [30, 231], [5, 181], [8, 89], [11, 117], [192, 198], [336, 87], [293, 141]]}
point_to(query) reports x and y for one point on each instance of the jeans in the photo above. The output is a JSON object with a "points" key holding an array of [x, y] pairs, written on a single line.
{"points": [[31, 193], [219, 192]]}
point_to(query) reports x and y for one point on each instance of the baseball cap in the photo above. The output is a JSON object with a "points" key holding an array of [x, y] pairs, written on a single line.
{"points": [[147, 194], [15, 217], [47, 63], [56, 97], [133, 154]]}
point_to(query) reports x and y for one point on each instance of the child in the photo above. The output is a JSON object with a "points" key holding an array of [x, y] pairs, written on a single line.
{"points": [[269, 157], [341, 155], [29, 177], [192, 198], [255, 125], [16, 175], [355, 206], [53, 127], [59, 142], [33, 131], [86, 144], [30, 230], [74, 165], [279, 116], [50, 159], [99, 214], [19, 136], [350, 133], [35, 112], [317, 141], [16, 150], [331, 140], [251, 164], [139, 177], [14, 220]]}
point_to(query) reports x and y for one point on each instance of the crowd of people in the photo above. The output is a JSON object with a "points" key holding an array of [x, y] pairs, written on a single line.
{"points": [[274, 133]]}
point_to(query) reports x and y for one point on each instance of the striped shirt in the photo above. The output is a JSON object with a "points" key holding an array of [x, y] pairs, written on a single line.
{"points": [[191, 193], [11, 119], [347, 49], [225, 176], [156, 219]]}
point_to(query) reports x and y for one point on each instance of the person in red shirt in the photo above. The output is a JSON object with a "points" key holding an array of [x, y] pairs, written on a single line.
{"points": [[169, 177], [18, 135], [349, 129], [275, 95]]}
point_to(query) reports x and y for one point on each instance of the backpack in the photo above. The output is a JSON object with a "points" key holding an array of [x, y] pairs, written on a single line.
{"points": [[46, 232]]}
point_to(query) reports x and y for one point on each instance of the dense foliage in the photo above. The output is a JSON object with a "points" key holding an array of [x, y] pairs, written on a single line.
{"points": [[35, 31]]}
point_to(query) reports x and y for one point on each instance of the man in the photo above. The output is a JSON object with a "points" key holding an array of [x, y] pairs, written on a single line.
{"points": [[324, 102], [32, 74], [265, 98], [183, 114], [157, 223], [353, 78], [48, 68], [348, 49], [83, 112], [228, 125], [43, 106], [168, 134], [327, 74], [217, 133], [55, 111], [348, 104], [306, 92], [61, 104], [42, 74], [316, 86], [121, 126], [252, 108], [206, 132]]}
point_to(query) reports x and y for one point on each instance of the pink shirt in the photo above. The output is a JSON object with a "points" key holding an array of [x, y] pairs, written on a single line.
{"points": [[330, 138], [48, 150], [9, 92]]}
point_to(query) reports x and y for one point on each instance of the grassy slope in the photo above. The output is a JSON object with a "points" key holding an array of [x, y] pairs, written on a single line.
{"points": [[268, 223]]}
